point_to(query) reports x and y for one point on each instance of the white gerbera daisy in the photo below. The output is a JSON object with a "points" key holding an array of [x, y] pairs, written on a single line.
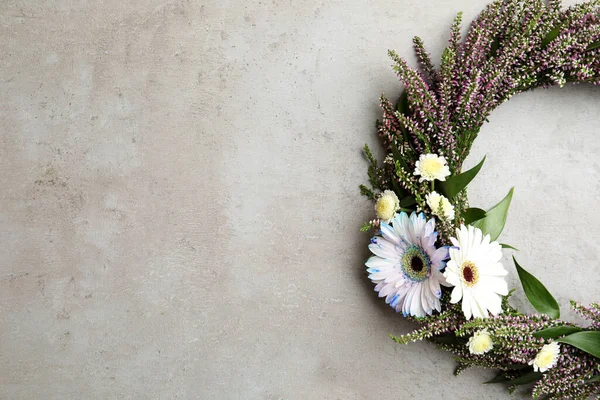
{"points": [[387, 205], [406, 265], [431, 167], [546, 358], [480, 343], [440, 205], [476, 273]]}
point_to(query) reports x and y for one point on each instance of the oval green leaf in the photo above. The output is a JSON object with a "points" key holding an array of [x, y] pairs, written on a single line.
{"points": [[550, 36], [408, 201], [402, 105], [556, 331], [529, 377], [593, 46], [500, 378], [453, 185], [494, 221], [473, 214], [593, 379], [539, 297], [588, 341]]}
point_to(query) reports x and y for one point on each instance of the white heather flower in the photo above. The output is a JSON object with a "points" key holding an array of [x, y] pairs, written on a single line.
{"points": [[406, 265], [440, 205], [480, 342], [430, 167], [476, 273], [387, 205], [546, 358]]}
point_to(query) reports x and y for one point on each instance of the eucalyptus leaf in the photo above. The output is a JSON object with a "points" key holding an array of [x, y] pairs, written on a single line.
{"points": [[471, 215], [539, 297], [508, 246], [556, 331], [453, 185], [588, 341], [494, 221]]}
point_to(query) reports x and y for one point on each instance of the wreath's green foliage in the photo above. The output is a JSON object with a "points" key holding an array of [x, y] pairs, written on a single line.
{"points": [[536, 292], [457, 183], [495, 218], [512, 47]]}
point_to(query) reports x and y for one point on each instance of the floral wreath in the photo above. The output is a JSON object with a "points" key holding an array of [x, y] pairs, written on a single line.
{"points": [[437, 260]]}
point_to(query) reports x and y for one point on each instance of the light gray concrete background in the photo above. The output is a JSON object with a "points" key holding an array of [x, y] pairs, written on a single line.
{"points": [[179, 206]]}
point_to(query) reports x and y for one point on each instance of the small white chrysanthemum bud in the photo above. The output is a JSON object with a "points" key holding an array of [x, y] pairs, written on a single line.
{"points": [[440, 205], [480, 342], [387, 205], [546, 358]]}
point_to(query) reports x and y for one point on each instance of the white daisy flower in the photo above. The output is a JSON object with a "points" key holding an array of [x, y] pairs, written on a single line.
{"points": [[546, 358], [480, 343], [406, 265], [431, 167], [440, 205], [476, 273], [387, 205]]}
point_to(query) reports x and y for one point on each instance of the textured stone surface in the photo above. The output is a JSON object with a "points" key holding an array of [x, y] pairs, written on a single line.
{"points": [[179, 204]]}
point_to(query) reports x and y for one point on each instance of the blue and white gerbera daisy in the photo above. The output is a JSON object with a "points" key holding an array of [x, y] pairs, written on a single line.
{"points": [[406, 265]]}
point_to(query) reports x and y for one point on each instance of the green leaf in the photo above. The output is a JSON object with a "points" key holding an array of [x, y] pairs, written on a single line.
{"points": [[593, 379], [588, 341], [500, 378], [516, 366], [593, 46], [494, 221], [455, 184], [397, 156], [494, 47], [550, 36], [539, 297], [529, 377], [556, 331], [508, 246], [448, 338], [408, 201], [473, 214], [524, 379], [399, 190], [403, 103]]}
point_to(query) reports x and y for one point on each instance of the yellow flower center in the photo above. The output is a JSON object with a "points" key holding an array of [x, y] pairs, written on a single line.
{"points": [[431, 167], [545, 358], [469, 273], [482, 343], [386, 207]]}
